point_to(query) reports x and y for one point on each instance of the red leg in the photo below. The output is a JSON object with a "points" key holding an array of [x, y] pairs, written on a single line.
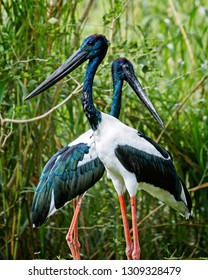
{"points": [[136, 250], [72, 235], [77, 206], [126, 228]]}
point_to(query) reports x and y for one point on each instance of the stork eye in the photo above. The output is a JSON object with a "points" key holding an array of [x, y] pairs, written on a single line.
{"points": [[90, 43], [125, 67]]}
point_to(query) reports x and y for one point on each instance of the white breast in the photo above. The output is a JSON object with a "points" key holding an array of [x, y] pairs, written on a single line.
{"points": [[111, 133]]}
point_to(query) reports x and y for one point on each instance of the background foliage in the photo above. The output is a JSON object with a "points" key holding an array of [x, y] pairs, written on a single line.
{"points": [[167, 43]]}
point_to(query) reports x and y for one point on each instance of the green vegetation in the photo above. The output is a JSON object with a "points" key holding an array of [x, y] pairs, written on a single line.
{"points": [[167, 43]]}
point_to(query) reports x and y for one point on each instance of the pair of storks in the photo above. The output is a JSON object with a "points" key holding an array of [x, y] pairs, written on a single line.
{"points": [[132, 160]]}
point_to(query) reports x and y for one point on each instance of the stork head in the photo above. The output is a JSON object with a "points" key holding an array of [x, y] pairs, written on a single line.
{"points": [[122, 69], [93, 46]]}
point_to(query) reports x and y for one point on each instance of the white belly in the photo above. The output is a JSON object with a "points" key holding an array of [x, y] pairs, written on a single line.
{"points": [[108, 136]]}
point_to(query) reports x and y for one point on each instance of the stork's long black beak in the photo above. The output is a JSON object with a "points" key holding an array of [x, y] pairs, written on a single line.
{"points": [[136, 86], [72, 62]]}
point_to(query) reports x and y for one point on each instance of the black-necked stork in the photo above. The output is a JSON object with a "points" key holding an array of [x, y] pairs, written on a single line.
{"points": [[76, 168], [132, 160]]}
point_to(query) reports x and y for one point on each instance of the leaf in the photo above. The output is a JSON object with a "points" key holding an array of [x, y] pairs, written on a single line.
{"points": [[2, 87], [52, 20]]}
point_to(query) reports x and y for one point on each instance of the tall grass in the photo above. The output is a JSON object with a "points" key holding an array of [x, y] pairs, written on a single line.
{"points": [[167, 43]]}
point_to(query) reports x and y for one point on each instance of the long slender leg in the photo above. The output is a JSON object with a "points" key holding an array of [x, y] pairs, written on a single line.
{"points": [[72, 235], [126, 228], [77, 204], [136, 249]]}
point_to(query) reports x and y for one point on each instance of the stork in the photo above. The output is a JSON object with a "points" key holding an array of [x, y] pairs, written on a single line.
{"points": [[76, 168], [132, 160]]}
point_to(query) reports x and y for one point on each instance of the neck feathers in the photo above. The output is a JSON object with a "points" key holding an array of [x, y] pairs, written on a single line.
{"points": [[93, 115], [116, 104]]}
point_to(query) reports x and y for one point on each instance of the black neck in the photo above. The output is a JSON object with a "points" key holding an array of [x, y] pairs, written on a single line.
{"points": [[93, 115]]}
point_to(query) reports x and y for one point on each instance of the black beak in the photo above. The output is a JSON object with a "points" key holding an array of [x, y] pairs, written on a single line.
{"points": [[72, 63], [136, 86]]}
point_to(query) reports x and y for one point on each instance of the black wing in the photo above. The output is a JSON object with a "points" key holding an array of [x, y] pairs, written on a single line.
{"points": [[158, 171], [69, 173]]}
